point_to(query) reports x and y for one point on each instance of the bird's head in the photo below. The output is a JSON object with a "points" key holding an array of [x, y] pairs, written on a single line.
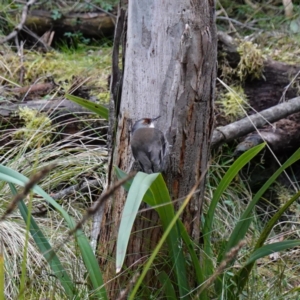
{"points": [[144, 123]]}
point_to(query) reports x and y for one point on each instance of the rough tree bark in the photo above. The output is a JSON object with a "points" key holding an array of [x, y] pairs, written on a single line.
{"points": [[170, 70]]}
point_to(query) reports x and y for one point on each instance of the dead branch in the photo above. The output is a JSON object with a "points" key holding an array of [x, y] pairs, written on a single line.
{"points": [[38, 87], [244, 126], [85, 186], [54, 105], [99, 203], [27, 188], [19, 27], [101, 9]]}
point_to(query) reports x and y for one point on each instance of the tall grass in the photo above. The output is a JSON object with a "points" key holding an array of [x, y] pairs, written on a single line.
{"points": [[217, 275], [78, 158], [228, 275]]}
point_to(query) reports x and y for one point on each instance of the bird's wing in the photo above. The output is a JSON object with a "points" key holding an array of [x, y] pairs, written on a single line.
{"points": [[157, 152]]}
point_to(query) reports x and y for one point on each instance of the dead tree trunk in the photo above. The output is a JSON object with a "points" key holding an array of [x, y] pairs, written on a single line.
{"points": [[170, 70]]}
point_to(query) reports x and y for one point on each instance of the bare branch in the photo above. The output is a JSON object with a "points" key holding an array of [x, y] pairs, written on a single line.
{"points": [[80, 187], [27, 188], [100, 9], [244, 126], [19, 27], [99, 203]]}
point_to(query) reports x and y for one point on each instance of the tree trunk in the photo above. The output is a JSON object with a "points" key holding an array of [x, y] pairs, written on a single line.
{"points": [[170, 70]]}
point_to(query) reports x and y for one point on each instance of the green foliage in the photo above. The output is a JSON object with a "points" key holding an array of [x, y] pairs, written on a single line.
{"points": [[45, 248], [226, 180], [7, 21], [70, 69], [167, 285], [38, 127], [76, 38], [233, 103], [138, 189], [266, 15], [56, 14], [73, 164], [104, 97], [251, 62], [88, 257], [2, 276], [77, 6], [152, 190], [99, 109], [242, 227], [159, 198]]}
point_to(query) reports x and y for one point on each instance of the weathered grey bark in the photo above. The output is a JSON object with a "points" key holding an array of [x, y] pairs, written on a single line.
{"points": [[170, 70]]}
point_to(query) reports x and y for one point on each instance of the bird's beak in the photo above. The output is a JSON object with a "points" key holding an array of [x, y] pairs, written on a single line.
{"points": [[154, 119]]}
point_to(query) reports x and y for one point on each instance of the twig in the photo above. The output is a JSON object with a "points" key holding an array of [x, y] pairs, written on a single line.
{"points": [[31, 86], [80, 187], [230, 23], [282, 99], [21, 55], [99, 203], [123, 294], [101, 9], [228, 259], [238, 23], [38, 38], [21, 24], [27, 188], [92, 210]]}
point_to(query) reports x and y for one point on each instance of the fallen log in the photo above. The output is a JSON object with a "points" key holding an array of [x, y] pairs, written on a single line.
{"points": [[90, 24], [70, 117], [59, 106], [244, 126], [264, 95]]}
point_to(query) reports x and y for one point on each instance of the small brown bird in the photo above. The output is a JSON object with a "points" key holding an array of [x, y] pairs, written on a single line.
{"points": [[149, 145]]}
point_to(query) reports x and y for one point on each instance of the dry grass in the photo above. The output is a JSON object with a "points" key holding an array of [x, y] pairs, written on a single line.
{"points": [[75, 163], [276, 275], [67, 68], [79, 157]]}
